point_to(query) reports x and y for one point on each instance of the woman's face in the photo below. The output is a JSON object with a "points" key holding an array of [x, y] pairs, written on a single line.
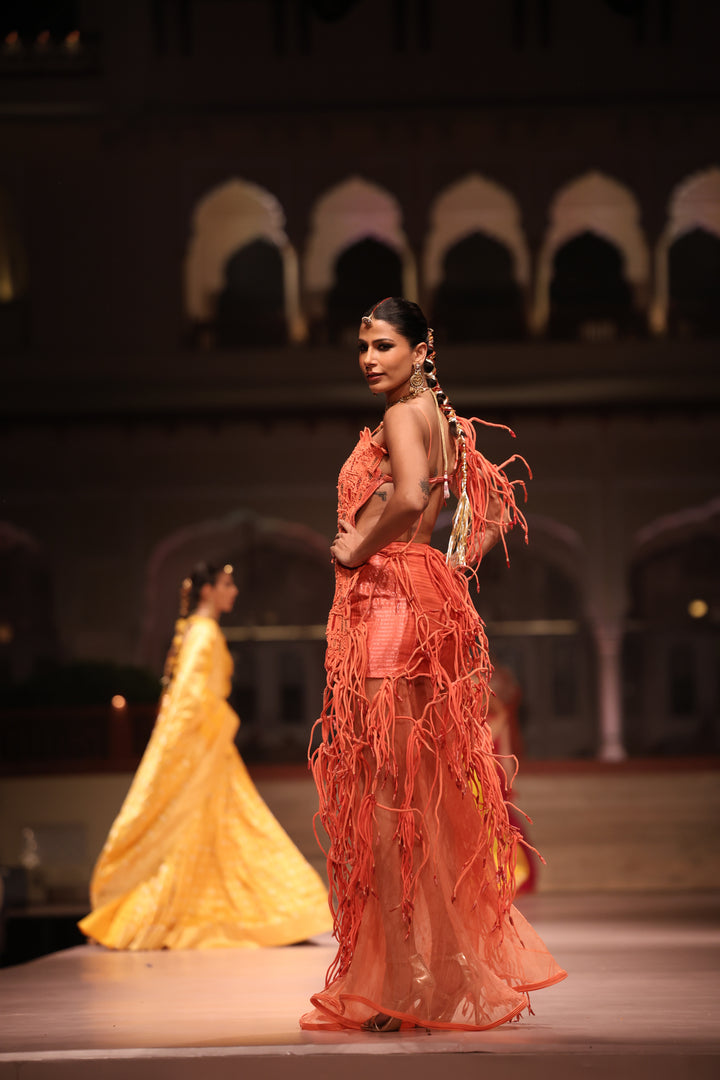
{"points": [[224, 593], [387, 358]]}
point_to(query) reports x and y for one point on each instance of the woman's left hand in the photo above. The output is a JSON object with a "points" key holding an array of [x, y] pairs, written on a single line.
{"points": [[345, 545]]}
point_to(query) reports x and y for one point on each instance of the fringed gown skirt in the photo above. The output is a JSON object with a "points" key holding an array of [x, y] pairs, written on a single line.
{"points": [[421, 853]]}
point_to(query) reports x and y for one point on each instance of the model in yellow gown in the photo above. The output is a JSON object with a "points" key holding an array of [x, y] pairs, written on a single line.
{"points": [[195, 859]]}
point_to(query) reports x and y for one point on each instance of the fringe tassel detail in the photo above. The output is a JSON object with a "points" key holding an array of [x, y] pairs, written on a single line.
{"points": [[486, 499]]}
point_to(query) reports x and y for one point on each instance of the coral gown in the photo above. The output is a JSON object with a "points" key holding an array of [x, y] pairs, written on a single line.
{"points": [[421, 853], [195, 860]]}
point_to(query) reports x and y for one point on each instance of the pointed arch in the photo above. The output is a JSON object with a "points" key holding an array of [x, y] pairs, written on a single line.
{"points": [[598, 204], [233, 216], [474, 204], [234, 538], [353, 211], [694, 205], [672, 644], [276, 632], [13, 277]]}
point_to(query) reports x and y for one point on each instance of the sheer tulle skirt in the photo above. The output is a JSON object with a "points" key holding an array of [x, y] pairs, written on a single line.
{"points": [[421, 852]]}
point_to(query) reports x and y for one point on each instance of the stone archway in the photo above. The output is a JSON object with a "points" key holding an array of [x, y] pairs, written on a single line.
{"points": [[353, 211], [674, 643], [229, 218], [14, 323], [597, 204], [694, 205], [474, 205], [276, 632]]}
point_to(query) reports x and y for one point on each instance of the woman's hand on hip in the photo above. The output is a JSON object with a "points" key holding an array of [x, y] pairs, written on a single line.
{"points": [[346, 544]]}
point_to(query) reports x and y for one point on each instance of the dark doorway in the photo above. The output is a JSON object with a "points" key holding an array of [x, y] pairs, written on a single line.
{"points": [[479, 298], [589, 295], [250, 309], [364, 273]]}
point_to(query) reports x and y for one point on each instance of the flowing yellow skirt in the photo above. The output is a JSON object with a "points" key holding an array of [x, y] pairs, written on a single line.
{"points": [[196, 860]]}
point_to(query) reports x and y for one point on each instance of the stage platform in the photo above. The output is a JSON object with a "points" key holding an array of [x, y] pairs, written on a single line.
{"points": [[642, 1002]]}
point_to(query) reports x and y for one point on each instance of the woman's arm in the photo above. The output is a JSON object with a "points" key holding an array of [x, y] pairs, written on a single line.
{"points": [[405, 432], [495, 523]]}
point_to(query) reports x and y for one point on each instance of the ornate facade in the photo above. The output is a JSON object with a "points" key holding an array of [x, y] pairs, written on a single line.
{"points": [[197, 201]]}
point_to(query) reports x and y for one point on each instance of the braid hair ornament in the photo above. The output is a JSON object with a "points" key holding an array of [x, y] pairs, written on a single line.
{"points": [[444, 406], [479, 487]]}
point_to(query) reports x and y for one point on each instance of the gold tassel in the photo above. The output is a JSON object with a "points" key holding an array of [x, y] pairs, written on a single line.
{"points": [[456, 556]]}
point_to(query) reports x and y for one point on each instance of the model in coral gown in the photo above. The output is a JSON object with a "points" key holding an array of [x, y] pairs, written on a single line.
{"points": [[421, 854], [195, 859]]}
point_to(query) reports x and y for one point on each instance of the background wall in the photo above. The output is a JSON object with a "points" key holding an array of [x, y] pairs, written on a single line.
{"points": [[198, 200]]}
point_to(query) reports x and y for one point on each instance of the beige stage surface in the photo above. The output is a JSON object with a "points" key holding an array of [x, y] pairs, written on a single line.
{"points": [[642, 1002]]}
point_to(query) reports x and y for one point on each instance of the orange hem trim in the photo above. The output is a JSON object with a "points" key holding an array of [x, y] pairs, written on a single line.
{"points": [[404, 1017], [526, 988]]}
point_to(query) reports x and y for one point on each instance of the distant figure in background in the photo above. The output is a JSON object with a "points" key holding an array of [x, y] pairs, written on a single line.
{"points": [[507, 743], [195, 860]]}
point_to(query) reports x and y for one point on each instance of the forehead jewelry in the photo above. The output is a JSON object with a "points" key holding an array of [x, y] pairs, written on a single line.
{"points": [[366, 320]]}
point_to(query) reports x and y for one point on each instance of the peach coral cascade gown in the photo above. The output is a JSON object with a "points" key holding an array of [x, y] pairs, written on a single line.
{"points": [[195, 859], [421, 854]]}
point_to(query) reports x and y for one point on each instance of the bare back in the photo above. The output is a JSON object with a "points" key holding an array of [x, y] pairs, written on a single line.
{"points": [[433, 431]]}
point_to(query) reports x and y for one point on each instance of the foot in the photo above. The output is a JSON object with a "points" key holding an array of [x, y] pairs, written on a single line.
{"points": [[382, 1022]]}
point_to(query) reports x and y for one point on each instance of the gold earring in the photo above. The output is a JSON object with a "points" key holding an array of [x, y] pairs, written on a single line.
{"points": [[417, 383]]}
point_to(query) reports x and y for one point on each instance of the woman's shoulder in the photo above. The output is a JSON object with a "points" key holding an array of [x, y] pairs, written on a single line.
{"points": [[416, 420], [416, 410], [201, 627]]}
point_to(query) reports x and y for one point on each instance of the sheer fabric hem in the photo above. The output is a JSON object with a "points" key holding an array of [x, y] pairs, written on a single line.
{"points": [[330, 1021], [421, 853]]}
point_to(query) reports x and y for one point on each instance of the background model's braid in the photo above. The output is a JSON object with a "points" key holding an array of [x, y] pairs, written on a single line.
{"points": [[180, 628]]}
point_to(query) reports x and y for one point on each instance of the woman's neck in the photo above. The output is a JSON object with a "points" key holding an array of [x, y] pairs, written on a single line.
{"points": [[207, 611]]}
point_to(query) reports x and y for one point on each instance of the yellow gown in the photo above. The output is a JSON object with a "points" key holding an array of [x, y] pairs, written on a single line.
{"points": [[195, 860]]}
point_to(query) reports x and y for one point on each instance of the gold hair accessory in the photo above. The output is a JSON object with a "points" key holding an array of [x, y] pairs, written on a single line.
{"points": [[366, 320], [185, 590]]}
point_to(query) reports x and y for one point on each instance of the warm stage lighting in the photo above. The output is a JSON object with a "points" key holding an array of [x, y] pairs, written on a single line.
{"points": [[697, 609], [118, 701], [6, 634]]}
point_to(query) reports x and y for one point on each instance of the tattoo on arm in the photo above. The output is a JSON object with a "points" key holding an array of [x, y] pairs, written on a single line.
{"points": [[382, 495], [425, 488]]}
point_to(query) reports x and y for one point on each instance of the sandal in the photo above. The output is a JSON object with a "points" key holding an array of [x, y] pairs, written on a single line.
{"points": [[382, 1022]]}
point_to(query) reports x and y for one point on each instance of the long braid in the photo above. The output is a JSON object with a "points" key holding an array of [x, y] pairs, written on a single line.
{"points": [[456, 430], [486, 496], [180, 628]]}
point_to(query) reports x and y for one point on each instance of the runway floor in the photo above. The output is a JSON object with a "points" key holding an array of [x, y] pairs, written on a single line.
{"points": [[641, 1002]]}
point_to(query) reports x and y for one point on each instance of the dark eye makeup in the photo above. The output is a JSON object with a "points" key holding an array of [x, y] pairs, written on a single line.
{"points": [[381, 346]]}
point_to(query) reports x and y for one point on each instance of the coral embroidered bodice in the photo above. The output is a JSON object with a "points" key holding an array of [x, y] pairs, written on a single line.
{"points": [[360, 476]]}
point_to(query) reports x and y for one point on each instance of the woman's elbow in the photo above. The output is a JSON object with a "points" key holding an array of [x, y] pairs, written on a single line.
{"points": [[414, 501]]}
